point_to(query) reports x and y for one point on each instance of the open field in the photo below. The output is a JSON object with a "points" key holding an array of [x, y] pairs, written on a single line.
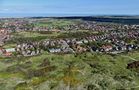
{"points": [[105, 71], [55, 22]]}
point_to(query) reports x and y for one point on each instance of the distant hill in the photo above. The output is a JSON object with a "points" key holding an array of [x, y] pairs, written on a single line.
{"points": [[113, 19]]}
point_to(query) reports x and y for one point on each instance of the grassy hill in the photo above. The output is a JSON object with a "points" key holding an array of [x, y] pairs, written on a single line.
{"points": [[88, 71]]}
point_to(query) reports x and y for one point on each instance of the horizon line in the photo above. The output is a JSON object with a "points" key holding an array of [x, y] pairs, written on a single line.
{"points": [[29, 15]]}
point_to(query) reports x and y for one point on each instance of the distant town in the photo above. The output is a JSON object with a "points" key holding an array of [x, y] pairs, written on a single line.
{"points": [[92, 36]]}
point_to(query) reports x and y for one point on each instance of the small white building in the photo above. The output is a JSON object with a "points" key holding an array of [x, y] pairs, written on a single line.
{"points": [[54, 50], [10, 50]]}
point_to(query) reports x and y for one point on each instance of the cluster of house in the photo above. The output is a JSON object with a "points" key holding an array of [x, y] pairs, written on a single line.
{"points": [[117, 46], [4, 36], [63, 46], [110, 44], [97, 26], [52, 46], [69, 46], [12, 25], [28, 49], [28, 25]]}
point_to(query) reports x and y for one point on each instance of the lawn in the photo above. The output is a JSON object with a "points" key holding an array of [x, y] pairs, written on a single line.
{"points": [[34, 34]]}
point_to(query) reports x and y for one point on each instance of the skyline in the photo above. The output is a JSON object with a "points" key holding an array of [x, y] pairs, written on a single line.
{"points": [[68, 7]]}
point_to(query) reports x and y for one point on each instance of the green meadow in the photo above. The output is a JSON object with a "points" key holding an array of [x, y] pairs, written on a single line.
{"points": [[88, 71]]}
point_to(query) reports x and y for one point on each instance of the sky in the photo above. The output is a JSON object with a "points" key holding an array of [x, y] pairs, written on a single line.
{"points": [[69, 7]]}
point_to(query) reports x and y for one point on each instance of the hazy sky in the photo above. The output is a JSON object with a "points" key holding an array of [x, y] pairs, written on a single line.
{"points": [[89, 7]]}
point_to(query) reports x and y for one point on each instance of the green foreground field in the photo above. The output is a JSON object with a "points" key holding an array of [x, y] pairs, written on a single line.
{"points": [[88, 71]]}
